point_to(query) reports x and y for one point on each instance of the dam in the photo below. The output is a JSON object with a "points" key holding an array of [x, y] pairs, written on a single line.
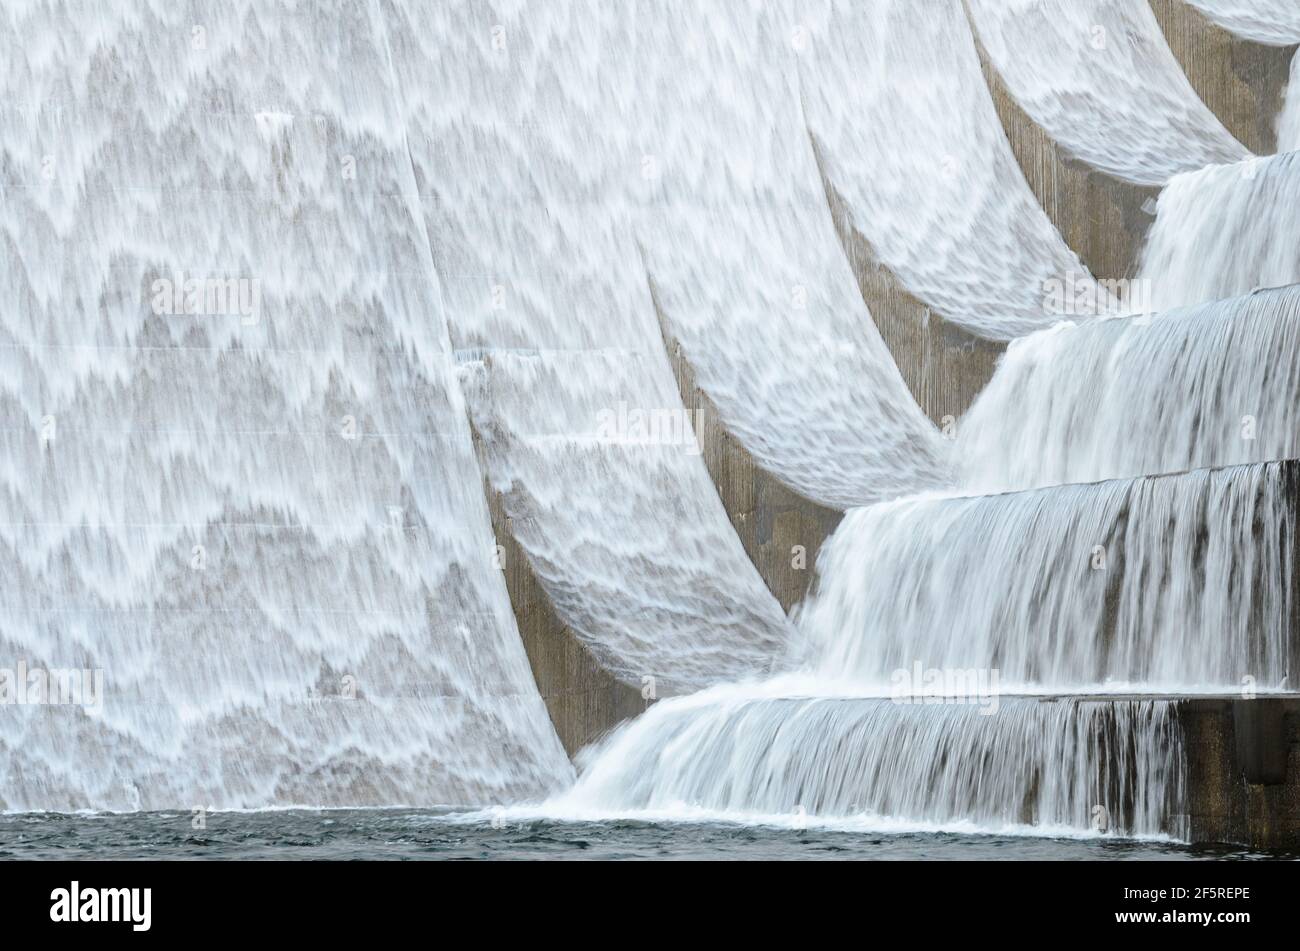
{"points": [[874, 414]]}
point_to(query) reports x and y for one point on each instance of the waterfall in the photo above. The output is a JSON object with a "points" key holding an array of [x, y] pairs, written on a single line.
{"points": [[1077, 604], [928, 177], [582, 425], [300, 296], [1098, 76], [1224, 230], [237, 476], [741, 753], [1176, 584], [1209, 385]]}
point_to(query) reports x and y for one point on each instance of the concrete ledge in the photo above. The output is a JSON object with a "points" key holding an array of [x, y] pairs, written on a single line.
{"points": [[1242, 82]]}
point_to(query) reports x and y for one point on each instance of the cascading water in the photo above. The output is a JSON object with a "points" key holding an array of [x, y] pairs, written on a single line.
{"points": [[1174, 584], [747, 753], [1210, 385], [1098, 76], [236, 474], [928, 177], [936, 623], [1224, 230], [1179, 584], [583, 428], [745, 262], [256, 259]]}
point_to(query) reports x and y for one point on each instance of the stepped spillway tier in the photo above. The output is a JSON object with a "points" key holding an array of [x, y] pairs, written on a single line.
{"points": [[1208, 385], [1271, 22], [1222, 231], [994, 764], [219, 488], [928, 179], [1204, 769], [1178, 584], [584, 433], [746, 266], [1099, 78]]}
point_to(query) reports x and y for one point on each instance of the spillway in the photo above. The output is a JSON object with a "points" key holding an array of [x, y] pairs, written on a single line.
{"points": [[746, 753], [306, 301], [1210, 385], [1098, 76], [1178, 583], [1224, 230], [928, 178], [583, 430], [252, 506]]}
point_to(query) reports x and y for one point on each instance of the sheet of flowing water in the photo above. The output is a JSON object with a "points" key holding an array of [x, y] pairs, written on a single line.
{"points": [[743, 256], [1272, 22], [1288, 121], [582, 424], [743, 752], [1098, 76], [1224, 230], [1210, 385], [1173, 584], [260, 519], [909, 139]]}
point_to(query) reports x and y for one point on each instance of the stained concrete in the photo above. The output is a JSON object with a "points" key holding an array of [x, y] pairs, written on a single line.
{"points": [[1243, 782], [1242, 82]]}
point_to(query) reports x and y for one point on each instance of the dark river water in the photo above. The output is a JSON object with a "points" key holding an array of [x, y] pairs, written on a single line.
{"points": [[414, 834]]}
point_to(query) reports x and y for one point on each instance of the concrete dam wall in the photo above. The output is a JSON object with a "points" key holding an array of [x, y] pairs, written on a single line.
{"points": [[869, 411]]}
